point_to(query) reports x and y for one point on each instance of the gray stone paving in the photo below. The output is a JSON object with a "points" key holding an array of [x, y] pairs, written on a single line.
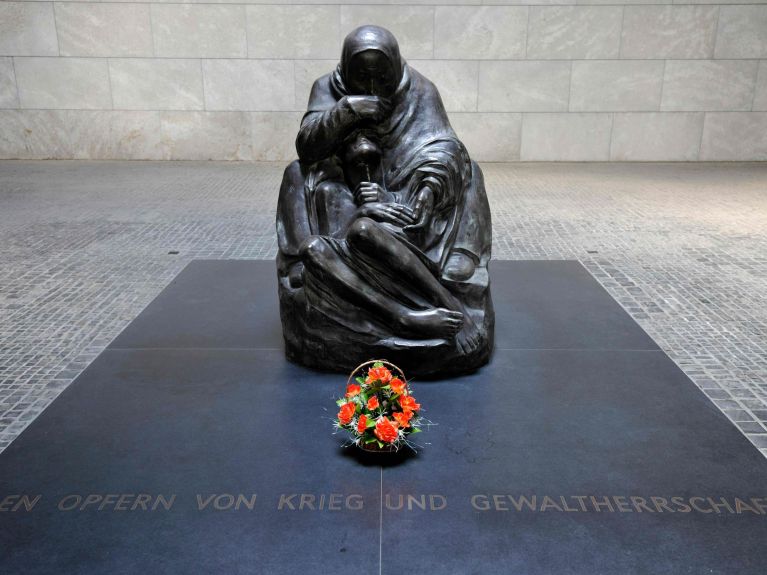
{"points": [[85, 246]]}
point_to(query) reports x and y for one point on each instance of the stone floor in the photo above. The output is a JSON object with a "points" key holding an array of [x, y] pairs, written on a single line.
{"points": [[85, 246]]}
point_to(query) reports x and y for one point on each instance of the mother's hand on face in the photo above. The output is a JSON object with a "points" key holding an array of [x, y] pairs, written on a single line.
{"points": [[367, 108], [397, 214]]}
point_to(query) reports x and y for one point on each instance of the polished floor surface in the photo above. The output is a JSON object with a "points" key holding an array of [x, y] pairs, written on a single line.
{"points": [[85, 246], [191, 446]]}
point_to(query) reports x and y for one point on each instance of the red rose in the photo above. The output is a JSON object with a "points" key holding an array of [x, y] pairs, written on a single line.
{"points": [[403, 418], [408, 403], [373, 403], [346, 413], [398, 386], [378, 373], [386, 430], [352, 390], [362, 424]]}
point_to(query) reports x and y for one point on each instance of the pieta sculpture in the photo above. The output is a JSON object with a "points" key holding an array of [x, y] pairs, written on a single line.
{"points": [[383, 224]]}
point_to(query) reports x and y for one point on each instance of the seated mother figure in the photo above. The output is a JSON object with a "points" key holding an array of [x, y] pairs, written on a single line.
{"points": [[383, 223]]}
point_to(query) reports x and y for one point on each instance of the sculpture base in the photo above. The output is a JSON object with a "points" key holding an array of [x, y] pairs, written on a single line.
{"points": [[316, 341]]}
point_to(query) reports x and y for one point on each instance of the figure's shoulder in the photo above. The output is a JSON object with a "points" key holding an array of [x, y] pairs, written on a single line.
{"points": [[321, 96], [418, 79], [322, 83]]}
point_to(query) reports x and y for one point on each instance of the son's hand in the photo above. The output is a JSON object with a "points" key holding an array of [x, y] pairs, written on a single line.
{"points": [[396, 214], [368, 192]]}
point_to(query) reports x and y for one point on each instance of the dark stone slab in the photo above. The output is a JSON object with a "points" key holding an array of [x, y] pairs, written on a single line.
{"points": [[187, 422], [576, 423], [212, 304], [558, 305], [195, 397]]}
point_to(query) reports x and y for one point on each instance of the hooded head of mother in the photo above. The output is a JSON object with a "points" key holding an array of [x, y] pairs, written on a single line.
{"points": [[370, 63]]}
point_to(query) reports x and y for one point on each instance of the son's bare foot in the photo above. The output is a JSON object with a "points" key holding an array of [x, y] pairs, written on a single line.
{"points": [[438, 322], [468, 339]]}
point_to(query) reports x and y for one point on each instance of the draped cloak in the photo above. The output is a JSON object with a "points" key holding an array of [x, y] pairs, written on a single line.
{"points": [[419, 148]]}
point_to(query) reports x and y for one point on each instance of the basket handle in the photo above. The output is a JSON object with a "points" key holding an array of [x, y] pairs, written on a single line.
{"points": [[364, 363]]}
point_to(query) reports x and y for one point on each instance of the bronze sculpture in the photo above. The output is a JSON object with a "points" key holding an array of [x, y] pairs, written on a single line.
{"points": [[383, 224]]}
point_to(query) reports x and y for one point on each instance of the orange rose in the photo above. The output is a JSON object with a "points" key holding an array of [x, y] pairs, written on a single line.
{"points": [[373, 403], [362, 424], [398, 386], [408, 403], [352, 390], [386, 430], [346, 413], [378, 373], [403, 418]]}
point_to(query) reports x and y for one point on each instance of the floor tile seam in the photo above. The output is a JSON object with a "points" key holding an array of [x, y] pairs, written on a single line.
{"points": [[163, 348], [583, 349], [582, 264]]}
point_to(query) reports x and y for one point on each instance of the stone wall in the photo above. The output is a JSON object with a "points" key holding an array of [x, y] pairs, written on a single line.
{"points": [[600, 80]]}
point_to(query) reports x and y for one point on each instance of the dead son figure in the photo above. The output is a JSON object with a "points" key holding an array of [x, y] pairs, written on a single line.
{"points": [[383, 224]]}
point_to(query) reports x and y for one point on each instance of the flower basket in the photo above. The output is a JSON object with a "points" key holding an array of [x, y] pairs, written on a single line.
{"points": [[378, 409]]}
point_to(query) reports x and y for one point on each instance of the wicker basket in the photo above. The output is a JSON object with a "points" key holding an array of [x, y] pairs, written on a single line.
{"points": [[373, 447]]}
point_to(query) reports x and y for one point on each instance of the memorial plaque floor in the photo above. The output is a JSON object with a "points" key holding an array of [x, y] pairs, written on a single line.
{"points": [[191, 446]]}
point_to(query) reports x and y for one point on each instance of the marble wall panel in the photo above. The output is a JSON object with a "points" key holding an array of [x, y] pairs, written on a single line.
{"points": [[156, 84], [574, 32], [199, 30], [57, 83], [566, 137], [524, 86], [742, 32], [294, 31], [104, 29], [655, 136], [615, 85], [528, 2], [87, 133], [489, 137], [27, 29], [80, 134], [669, 31], [135, 135], [530, 79], [760, 95], [709, 85], [722, 2], [206, 135], [456, 81], [305, 73], [9, 97], [274, 135], [248, 84], [734, 136], [619, 2], [33, 135], [488, 32], [412, 25]]}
